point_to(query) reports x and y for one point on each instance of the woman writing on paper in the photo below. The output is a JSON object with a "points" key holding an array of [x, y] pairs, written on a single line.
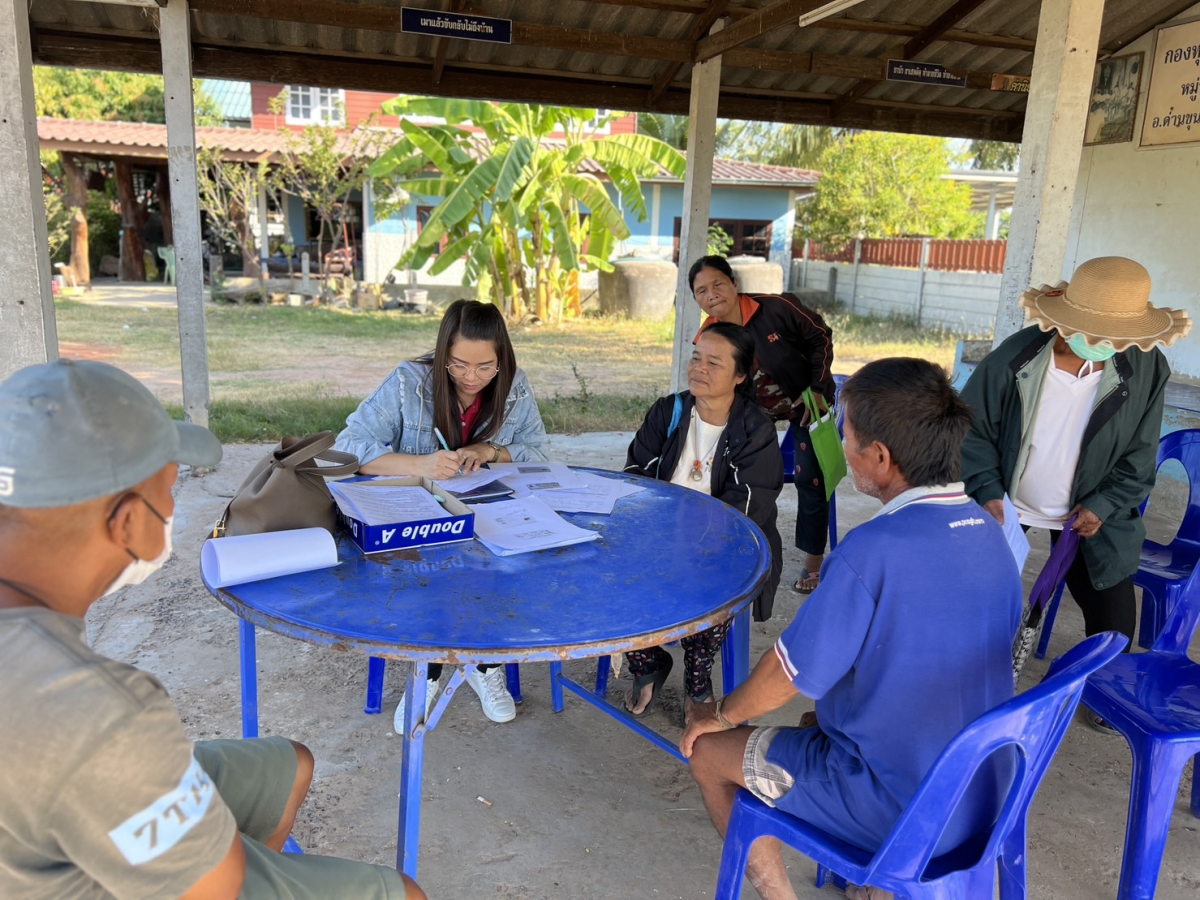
{"points": [[470, 390], [794, 352], [721, 444]]}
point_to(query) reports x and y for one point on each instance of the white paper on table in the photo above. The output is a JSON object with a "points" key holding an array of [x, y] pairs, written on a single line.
{"points": [[255, 557], [468, 481], [379, 504], [598, 495], [524, 477], [1015, 534], [507, 527]]}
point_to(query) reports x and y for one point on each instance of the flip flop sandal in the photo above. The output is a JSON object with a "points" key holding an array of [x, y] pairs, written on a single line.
{"points": [[799, 588], [656, 679]]}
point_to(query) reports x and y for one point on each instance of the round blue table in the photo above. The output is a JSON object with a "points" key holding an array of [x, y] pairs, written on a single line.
{"points": [[669, 562]]}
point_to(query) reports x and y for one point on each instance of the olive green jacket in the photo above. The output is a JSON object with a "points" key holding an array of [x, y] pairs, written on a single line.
{"points": [[1117, 462]]}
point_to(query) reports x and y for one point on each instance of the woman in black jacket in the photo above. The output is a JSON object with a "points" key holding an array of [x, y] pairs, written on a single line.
{"points": [[720, 443], [794, 352]]}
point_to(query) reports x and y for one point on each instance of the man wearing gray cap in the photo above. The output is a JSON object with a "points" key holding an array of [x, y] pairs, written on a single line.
{"points": [[101, 792]]}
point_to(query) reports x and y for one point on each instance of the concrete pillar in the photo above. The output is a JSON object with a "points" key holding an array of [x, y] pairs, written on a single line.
{"points": [[175, 35], [783, 236], [1059, 92], [28, 333], [989, 230], [925, 244], [697, 198], [854, 274]]}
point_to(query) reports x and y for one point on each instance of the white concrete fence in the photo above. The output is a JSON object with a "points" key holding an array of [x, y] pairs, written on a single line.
{"points": [[961, 302]]}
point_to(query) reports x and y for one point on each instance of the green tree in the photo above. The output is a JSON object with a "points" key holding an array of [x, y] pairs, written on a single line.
{"points": [[514, 201], [101, 95], [994, 156], [775, 143], [669, 129], [323, 166], [880, 185]]}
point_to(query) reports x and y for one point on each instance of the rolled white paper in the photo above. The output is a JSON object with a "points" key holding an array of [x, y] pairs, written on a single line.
{"points": [[255, 557]]}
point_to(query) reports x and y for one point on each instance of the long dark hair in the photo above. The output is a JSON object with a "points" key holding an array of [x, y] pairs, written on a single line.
{"points": [[472, 321], [720, 263], [742, 343]]}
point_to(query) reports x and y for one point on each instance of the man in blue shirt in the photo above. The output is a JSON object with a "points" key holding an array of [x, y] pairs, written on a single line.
{"points": [[906, 641]]}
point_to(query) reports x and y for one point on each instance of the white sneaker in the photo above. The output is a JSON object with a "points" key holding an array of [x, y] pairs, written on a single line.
{"points": [[493, 693], [431, 687]]}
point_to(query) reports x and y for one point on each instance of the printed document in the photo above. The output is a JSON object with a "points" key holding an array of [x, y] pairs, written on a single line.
{"points": [[508, 527], [524, 477], [597, 494], [378, 504], [1017, 541]]}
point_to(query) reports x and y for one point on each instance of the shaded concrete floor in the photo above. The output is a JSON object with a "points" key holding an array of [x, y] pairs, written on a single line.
{"points": [[581, 808]]}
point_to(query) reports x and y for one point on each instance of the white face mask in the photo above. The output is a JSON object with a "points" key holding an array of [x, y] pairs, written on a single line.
{"points": [[141, 569]]}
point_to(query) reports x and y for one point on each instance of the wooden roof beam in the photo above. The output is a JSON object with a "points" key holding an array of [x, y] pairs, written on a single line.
{"points": [[914, 45], [762, 21], [441, 46], [699, 28], [496, 84]]}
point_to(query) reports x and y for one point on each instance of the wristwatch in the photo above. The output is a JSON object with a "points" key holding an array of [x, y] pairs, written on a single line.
{"points": [[495, 452]]}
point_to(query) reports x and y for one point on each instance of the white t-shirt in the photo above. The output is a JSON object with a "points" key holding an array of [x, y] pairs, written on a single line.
{"points": [[1043, 496], [699, 448]]}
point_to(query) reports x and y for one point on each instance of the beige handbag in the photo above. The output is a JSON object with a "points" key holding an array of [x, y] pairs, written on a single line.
{"points": [[287, 489]]}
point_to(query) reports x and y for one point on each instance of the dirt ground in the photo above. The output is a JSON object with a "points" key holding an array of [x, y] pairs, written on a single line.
{"points": [[580, 807]]}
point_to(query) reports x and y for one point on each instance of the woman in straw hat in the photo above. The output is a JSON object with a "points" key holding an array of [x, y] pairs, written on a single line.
{"points": [[1067, 419]]}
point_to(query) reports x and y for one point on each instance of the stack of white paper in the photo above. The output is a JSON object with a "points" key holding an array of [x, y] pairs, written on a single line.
{"points": [[377, 504], [1017, 541], [597, 494], [525, 477], [508, 527], [254, 557]]}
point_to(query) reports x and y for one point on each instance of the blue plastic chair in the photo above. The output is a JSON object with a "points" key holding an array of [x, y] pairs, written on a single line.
{"points": [[1163, 571], [1034, 722], [1153, 699]]}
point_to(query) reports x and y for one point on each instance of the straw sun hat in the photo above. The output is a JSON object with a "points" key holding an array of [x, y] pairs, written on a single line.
{"points": [[1107, 300]]}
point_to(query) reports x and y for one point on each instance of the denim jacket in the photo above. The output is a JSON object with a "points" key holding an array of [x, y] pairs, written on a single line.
{"points": [[398, 418]]}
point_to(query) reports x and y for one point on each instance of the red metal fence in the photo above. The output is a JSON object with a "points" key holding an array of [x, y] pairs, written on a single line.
{"points": [[945, 256]]}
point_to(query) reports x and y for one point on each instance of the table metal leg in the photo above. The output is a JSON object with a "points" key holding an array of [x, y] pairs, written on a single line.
{"points": [[603, 667], [556, 690], [412, 762], [249, 671], [376, 666], [735, 652], [512, 674]]}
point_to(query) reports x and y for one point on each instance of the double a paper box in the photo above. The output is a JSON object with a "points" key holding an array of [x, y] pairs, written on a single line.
{"points": [[458, 525]]}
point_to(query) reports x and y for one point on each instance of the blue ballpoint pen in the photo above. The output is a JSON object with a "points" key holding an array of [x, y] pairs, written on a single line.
{"points": [[442, 441]]}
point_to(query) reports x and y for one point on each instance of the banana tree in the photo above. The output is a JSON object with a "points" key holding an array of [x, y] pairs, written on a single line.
{"points": [[521, 193]]}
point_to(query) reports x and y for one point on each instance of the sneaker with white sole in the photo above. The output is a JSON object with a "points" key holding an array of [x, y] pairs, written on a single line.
{"points": [[431, 687], [493, 693]]}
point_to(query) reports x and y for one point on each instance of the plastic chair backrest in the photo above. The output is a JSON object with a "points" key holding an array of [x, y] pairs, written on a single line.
{"points": [[1181, 621], [1184, 446], [1034, 722]]}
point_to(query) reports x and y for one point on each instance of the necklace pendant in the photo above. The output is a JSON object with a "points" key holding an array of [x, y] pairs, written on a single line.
{"points": [[697, 473]]}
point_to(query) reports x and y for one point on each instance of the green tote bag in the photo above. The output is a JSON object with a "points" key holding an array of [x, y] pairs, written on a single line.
{"points": [[827, 443]]}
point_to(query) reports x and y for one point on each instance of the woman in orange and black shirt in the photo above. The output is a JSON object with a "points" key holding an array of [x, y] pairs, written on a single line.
{"points": [[793, 352]]}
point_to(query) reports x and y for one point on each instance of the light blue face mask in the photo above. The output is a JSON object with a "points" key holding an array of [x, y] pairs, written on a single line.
{"points": [[1079, 347]]}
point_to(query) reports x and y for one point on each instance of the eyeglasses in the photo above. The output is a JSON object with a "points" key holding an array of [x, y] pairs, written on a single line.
{"points": [[487, 370]]}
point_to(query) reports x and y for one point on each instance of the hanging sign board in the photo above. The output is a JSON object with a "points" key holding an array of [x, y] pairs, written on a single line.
{"points": [[1173, 100], [1013, 84], [455, 25], [923, 73]]}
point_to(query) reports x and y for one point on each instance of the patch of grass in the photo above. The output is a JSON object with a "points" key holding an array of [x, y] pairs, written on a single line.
{"points": [[601, 412], [269, 419]]}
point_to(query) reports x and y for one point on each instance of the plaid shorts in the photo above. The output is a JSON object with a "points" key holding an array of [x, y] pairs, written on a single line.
{"points": [[766, 781]]}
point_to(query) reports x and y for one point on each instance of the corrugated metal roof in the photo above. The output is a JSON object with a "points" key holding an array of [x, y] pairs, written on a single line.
{"points": [[607, 53], [231, 97]]}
